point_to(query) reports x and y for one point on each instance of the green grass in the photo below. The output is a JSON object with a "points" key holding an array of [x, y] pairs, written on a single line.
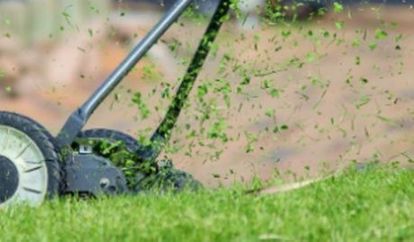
{"points": [[375, 205]]}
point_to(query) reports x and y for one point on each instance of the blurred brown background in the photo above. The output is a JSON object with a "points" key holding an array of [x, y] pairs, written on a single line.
{"points": [[321, 93]]}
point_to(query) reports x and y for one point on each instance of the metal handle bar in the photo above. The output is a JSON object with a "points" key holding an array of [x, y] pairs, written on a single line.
{"points": [[77, 120]]}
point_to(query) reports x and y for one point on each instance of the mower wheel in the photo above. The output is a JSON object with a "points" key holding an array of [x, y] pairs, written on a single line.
{"points": [[124, 152], [29, 162], [112, 137]]}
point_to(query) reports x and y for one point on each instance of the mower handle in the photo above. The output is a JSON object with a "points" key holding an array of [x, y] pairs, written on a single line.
{"points": [[78, 119]]}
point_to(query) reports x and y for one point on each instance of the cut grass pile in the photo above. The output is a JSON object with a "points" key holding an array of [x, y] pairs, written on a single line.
{"points": [[373, 205]]}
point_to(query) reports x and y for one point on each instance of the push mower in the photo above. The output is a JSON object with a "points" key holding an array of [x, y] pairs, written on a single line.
{"points": [[35, 166]]}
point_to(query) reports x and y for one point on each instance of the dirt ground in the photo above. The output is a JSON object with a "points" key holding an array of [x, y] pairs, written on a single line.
{"points": [[339, 97]]}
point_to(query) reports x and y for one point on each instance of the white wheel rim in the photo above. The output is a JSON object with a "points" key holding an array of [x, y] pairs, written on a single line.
{"points": [[24, 153]]}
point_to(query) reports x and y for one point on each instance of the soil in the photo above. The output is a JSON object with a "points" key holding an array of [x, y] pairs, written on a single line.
{"points": [[344, 104]]}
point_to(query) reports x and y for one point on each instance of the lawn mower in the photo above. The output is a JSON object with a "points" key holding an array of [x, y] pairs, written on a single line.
{"points": [[34, 165]]}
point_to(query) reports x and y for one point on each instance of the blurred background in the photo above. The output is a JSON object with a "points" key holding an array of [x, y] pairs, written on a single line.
{"points": [[291, 88]]}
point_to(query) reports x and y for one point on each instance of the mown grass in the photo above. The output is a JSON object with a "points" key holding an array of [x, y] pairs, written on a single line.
{"points": [[374, 205]]}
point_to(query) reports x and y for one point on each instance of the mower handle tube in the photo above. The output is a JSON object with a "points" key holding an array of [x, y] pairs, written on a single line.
{"points": [[78, 119]]}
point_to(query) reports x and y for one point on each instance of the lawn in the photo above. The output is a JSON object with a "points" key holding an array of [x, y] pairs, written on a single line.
{"points": [[372, 205]]}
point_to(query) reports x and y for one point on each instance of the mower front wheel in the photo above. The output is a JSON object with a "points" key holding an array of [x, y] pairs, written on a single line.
{"points": [[29, 163]]}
